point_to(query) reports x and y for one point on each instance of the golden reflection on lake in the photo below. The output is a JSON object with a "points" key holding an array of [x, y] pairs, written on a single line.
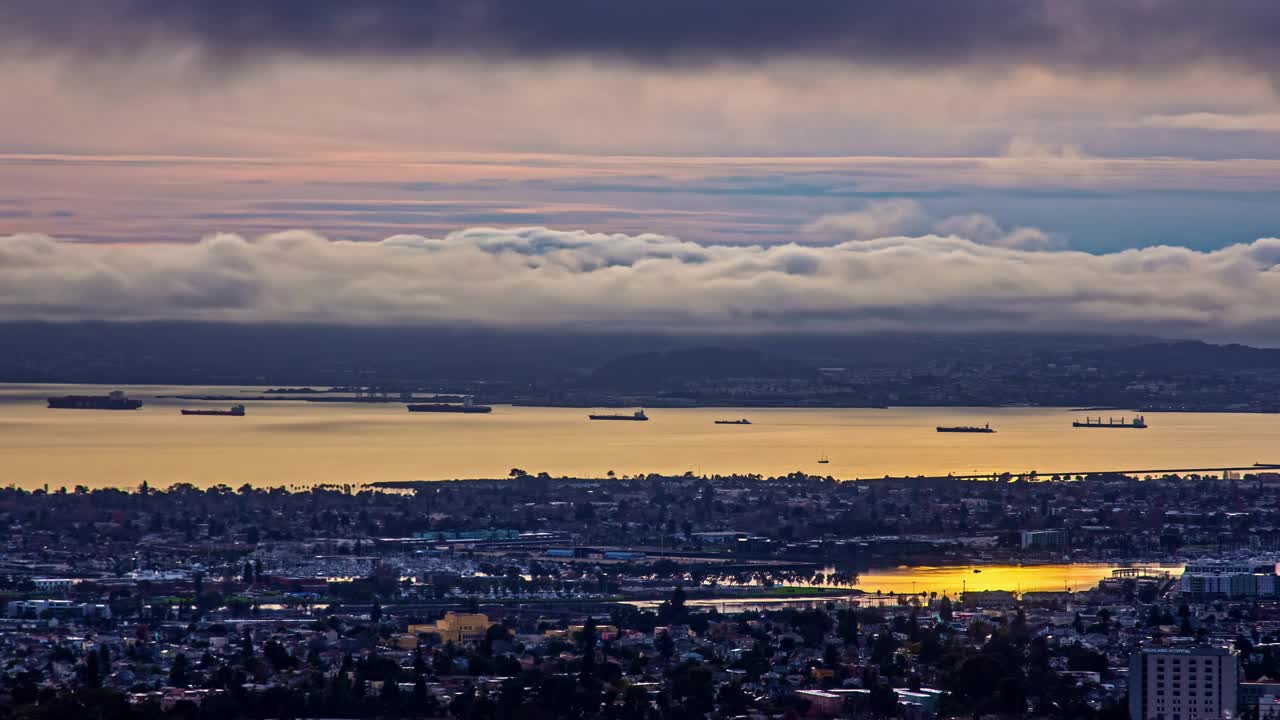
{"points": [[288, 443], [1017, 578]]}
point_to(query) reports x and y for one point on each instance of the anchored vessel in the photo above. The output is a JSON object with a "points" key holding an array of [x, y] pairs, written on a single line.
{"points": [[1138, 423], [743, 421], [116, 400], [637, 416], [468, 405], [966, 429], [233, 411]]}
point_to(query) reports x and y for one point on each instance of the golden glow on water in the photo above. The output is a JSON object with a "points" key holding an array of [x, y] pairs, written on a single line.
{"points": [[284, 443], [1017, 578]]}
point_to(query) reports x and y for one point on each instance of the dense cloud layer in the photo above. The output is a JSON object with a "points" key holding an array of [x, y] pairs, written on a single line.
{"points": [[1090, 33], [536, 277]]}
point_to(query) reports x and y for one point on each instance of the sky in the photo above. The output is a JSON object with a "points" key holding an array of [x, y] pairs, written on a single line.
{"points": [[730, 165]]}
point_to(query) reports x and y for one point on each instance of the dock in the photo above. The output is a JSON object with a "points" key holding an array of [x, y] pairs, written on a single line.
{"points": [[1046, 475]]}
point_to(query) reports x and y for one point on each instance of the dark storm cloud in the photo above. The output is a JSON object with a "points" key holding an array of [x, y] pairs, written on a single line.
{"points": [[1089, 33]]}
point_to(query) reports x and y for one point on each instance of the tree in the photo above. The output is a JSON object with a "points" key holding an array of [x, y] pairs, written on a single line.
{"points": [[179, 675], [1153, 616], [976, 681], [675, 610], [847, 627], [1011, 694], [666, 646], [944, 609], [831, 656], [883, 701], [92, 671], [587, 645], [731, 700], [104, 660], [390, 694], [883, 647], [692, 685]]}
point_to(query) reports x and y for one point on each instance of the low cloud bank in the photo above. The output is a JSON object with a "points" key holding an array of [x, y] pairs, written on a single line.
{"points": [[539, 277]]}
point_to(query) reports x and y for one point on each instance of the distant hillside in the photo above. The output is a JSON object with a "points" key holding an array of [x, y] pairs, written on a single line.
{"points": [[1184, 357], [229, 354], [657, 369]]}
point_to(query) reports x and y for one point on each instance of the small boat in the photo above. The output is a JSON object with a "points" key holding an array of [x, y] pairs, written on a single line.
{"points": [[743, 421], [823, 460], [976, 571]]}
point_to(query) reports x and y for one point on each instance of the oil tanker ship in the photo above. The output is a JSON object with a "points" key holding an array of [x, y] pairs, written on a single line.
{"points": [[637, 416], [966, 429], [233, 411], [116, 400], [1138, 423], [467, 405]]}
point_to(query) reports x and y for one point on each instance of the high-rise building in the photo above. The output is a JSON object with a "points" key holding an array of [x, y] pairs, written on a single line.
{"points": [[1185, 683]]}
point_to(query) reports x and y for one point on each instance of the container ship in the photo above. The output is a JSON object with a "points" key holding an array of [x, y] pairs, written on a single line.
{"points": [[1138, 423], [966, 429], [233, 411], [116, 400], [637, 416], [743, 421], [467, 405]]}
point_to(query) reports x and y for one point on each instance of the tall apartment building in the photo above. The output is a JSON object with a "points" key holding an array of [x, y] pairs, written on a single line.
{"points": [[1192, 683], [1046, 540]]}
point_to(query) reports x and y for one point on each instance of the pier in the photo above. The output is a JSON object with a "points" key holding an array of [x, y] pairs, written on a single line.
{"points": [[1037, 476]]}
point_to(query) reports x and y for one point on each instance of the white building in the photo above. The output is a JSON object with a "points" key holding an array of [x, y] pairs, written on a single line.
{"points": [[55, 584], [1196, 683], [1230, 580], [1046, 539]]}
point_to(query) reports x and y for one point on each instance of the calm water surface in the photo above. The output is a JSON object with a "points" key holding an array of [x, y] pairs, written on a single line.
{"points": [[1017, 578], [950, 581], [288, 443]]}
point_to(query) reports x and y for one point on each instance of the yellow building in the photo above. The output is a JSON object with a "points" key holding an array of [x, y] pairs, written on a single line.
{"points": [[457, 628]]}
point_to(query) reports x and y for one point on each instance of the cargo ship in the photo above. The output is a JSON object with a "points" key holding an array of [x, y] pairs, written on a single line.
{"points": [[743, 421], [966, 429], [467, 405], [233, 411], [116, 400], [637, 416], [1138, 423]]}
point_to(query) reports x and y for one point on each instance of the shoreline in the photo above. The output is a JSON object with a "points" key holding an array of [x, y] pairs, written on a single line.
{"points": [[606, 400]]}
